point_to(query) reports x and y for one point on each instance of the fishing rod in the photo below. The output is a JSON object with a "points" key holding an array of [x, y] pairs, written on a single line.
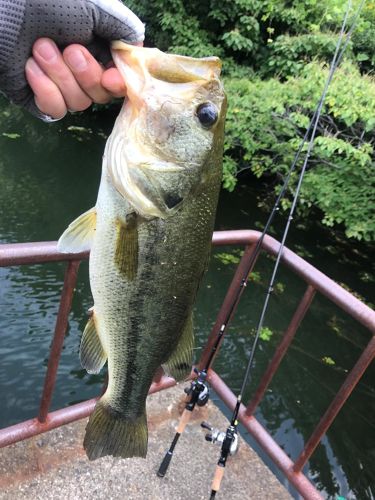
{"points": [[198, 392], [229, 439]]}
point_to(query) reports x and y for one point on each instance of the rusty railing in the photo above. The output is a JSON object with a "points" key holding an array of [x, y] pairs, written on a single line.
{"points": [[37, 253]]}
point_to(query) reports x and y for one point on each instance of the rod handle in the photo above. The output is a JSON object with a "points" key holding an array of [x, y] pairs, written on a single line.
{"points": [[165, 464], [219, 473], [184, 420]]}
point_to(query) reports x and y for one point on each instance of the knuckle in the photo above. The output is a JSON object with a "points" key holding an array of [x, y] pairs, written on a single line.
{"points": [[81, 105], [102, 100], [56, 113]]}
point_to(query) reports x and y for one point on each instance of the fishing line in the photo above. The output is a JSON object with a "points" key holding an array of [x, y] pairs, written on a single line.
{"points": [[198, 393], [231, 433]]}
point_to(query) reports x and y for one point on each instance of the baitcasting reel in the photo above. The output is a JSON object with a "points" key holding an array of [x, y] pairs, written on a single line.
{"points": [[217, 436], [199, 390]]}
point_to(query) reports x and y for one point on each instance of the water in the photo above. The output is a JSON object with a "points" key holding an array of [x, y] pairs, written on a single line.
{"points": [[50, 173]]}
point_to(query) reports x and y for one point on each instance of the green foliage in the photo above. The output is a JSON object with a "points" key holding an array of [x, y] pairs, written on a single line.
{"points": [[289, 54], [266, 334], [255, 277], [11, 135], [328, 361], [274, 54], [227, 258], [267, 119]]}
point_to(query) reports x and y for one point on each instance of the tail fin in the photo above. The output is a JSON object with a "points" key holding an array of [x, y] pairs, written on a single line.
{"points": [[110, 433]]}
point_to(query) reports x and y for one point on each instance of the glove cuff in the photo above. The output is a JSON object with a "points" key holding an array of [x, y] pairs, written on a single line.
{"points": [[11, 19]]}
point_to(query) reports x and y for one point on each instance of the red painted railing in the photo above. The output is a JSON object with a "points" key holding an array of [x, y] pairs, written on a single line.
{"points": [[317, 282]]}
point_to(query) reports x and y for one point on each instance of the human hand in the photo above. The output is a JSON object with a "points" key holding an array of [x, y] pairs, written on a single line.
{"points": [[55, 78], [71, 80]]}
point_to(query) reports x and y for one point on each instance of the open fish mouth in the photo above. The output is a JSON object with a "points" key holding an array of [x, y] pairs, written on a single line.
{"points": [[143, 68]]}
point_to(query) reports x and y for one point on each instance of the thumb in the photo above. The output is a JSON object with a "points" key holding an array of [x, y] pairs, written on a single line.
{"points": [[114, 21]]}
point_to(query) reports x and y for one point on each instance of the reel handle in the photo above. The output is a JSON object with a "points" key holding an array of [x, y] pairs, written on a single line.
{"points": [[207, 426]]}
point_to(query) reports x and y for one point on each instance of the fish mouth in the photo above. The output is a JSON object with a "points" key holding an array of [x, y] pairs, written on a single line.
{"points": [[143, 68]]}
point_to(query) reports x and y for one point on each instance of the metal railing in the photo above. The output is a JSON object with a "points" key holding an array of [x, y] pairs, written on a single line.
{"points": [[37, 253]]}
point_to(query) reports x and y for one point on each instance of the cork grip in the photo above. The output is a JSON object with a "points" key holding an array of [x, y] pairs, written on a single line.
{"points": [[185, 417], [219, 473]]}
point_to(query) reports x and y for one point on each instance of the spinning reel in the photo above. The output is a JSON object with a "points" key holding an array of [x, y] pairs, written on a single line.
{"points": [[227, 440]]}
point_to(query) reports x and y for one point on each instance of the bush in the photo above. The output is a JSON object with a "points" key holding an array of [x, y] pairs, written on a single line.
{"points": [[274, 54], [267, 119]]}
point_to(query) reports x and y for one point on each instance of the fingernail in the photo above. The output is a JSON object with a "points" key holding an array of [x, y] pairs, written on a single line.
{"points": [[32, 66], [47, 51], [76, 60]]}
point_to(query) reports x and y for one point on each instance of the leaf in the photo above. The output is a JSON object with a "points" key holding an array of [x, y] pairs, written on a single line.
{"points": [[229, 258], [11, 135], [362, 56], [328, 361], [266, 334]]}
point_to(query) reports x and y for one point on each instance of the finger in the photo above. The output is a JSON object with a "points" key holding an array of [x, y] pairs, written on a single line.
{"points": [[49, 59], [48, 97], [115, 21], [87, 72], [114, 82]]}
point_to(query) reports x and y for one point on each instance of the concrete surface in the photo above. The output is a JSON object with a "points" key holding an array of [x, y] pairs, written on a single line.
{"points": [[54, 465]]}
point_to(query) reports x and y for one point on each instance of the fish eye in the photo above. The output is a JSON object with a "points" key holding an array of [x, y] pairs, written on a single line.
{"points": [[207, 114]]}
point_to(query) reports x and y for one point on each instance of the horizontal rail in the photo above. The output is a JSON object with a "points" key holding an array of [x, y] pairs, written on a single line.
{"points": [[34, 427], [17, 254], [37, 253]]}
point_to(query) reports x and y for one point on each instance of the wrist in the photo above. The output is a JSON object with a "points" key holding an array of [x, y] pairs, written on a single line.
{"points": [[11, 19]]}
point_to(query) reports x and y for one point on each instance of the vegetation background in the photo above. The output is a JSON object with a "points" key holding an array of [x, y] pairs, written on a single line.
{"points": [[275, 60]]}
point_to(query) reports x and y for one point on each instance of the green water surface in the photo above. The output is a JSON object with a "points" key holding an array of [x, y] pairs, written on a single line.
{"points": [[49, 174]]}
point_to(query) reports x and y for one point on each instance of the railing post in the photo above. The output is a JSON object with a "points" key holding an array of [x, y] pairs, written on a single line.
{"points": [[70, 280], [344, 392], [229, 300], [283, 346]]}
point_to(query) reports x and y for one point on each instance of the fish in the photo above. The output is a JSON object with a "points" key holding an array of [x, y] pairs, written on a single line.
{"points": [[149, 236]]}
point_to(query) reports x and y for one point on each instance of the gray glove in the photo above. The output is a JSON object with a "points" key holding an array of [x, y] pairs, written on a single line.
{"points": [[88, 22]]}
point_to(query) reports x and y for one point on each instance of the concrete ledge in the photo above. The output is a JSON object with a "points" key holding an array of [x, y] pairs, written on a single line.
{"points": [[54, 465]]}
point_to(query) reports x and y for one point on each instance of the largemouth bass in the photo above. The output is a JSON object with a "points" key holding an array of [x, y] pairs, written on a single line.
{"points": [[149, 235]]}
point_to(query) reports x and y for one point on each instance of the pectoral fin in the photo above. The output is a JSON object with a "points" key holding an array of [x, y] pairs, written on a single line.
{"points": [[126, 256], [179, 364], [78, 236], [92, 354]]}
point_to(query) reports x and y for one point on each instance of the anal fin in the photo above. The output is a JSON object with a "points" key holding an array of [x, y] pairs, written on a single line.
{"points": [[91, 353], [180, 362]]}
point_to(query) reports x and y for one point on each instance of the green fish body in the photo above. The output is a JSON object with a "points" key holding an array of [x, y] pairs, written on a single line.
{"points": [[149, 235]]}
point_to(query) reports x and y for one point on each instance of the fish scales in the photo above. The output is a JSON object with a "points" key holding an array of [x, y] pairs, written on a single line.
{"points": [[150, 236], [160, 297]]}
